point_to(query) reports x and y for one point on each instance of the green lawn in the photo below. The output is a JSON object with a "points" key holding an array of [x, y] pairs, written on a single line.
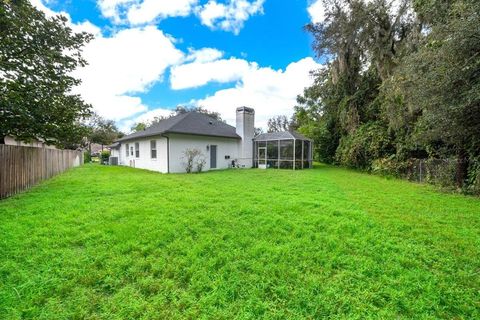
{"points": [[118, 243]]}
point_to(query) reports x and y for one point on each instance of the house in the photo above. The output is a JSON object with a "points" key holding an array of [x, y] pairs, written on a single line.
{"points": [[35, 143], [162, 146]]}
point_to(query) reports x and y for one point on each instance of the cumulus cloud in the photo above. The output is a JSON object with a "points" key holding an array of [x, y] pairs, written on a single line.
{"points": [[146, 117], [199, 73], [146, 11], [149, 10], [85, 26], [204, 55], [128, 62], [271, 92], [316, 10], [228, 17]]}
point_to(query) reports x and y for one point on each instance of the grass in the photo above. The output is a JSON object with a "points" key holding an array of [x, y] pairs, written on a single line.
{"points": [[117, 243]]}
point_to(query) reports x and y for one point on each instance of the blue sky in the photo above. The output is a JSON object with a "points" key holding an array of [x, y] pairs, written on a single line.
{"points": [[152, 55]]}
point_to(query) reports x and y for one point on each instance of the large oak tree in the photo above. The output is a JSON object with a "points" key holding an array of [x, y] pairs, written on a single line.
{"points": [[37, 56]]}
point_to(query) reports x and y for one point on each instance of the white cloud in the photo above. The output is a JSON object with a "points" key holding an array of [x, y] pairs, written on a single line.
{"points": [[228, 17], [146, 117], [85, 26], [270, 92], [146, 11], [149, 10], [316, 10], [198, 74], [204, 55], [128, 62], [112, 8]]}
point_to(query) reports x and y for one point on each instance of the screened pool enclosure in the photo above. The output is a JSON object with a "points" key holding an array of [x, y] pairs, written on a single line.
{"points": [[282, 150]]}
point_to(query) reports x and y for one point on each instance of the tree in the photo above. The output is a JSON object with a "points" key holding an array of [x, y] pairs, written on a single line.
{"points": [[184, 109], [103, 131], [438, 87], [139, 126], [278, 124], [37, 56], [402, 82]]}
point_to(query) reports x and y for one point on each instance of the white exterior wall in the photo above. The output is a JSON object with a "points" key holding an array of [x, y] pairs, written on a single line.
{"points": [[144, 161], [180, 142], [245, 128], [115, 153]]}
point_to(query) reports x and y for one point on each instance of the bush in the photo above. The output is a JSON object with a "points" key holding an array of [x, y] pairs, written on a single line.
{"points": [[473, 183], [104, 156], [193, 158], [370, 141], [87, 157]]}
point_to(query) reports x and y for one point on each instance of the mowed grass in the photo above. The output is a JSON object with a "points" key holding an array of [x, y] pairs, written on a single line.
{"points": [[118, 243]]}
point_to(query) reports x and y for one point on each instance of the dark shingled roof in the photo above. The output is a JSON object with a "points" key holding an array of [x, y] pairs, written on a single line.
{"points": [[187, 123], [284, 135]]}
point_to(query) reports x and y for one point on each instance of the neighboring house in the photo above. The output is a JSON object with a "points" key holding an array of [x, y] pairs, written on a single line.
{"points": [[161, 147], [34, 143], [95, 149]]}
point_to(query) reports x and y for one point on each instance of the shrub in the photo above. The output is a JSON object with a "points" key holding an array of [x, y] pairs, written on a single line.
{"points": [[369, 141], [193, 159], [87, 157], [104, 156]]}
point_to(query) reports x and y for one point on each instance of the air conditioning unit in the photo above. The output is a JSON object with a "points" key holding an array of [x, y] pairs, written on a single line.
{"points": [[113, 161]]}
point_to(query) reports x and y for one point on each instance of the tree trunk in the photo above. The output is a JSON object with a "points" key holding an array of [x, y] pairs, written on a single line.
{"points": [[462, 167]]}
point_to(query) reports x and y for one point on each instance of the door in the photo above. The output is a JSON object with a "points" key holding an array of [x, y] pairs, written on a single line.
{"points": [[213, 157], [262, 157]]}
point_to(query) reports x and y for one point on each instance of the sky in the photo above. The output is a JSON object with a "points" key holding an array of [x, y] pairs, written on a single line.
{"points": [[148, 56]]}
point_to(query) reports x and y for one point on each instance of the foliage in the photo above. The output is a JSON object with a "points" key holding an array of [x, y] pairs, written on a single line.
{"points": [[251, 244], [370, 141], [104, 156], [402, 83], [257, 131], [184, 109], [37, 56], [87, 157], [103, 131], [193, 158], [278, 124], [139, 126]]}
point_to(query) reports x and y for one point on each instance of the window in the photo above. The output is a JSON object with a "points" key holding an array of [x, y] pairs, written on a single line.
{"points": [[131, 151], [126, 150], [153, 149], [137, 150]]}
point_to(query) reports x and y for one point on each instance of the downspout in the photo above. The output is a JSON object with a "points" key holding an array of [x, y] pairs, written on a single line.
{"points": [[168, 153]]}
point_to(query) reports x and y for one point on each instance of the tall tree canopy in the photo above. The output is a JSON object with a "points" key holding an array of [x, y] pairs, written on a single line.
{"points": [[402, 82], [37, 55], [102, 131]]}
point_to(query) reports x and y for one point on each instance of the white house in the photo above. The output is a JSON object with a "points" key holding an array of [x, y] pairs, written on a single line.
{"points": [[161, 147]]}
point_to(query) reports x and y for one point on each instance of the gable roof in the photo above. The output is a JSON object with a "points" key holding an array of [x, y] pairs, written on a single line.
{"points": [[283, 135], [194, 123]]}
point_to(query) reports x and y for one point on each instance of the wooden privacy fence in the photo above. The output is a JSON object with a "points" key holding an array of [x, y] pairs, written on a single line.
{"points": [[22, 167]]}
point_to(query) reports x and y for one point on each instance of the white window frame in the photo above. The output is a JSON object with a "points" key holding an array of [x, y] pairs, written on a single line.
{"points": [[137, 150], [153, 147], [126, 150]]}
